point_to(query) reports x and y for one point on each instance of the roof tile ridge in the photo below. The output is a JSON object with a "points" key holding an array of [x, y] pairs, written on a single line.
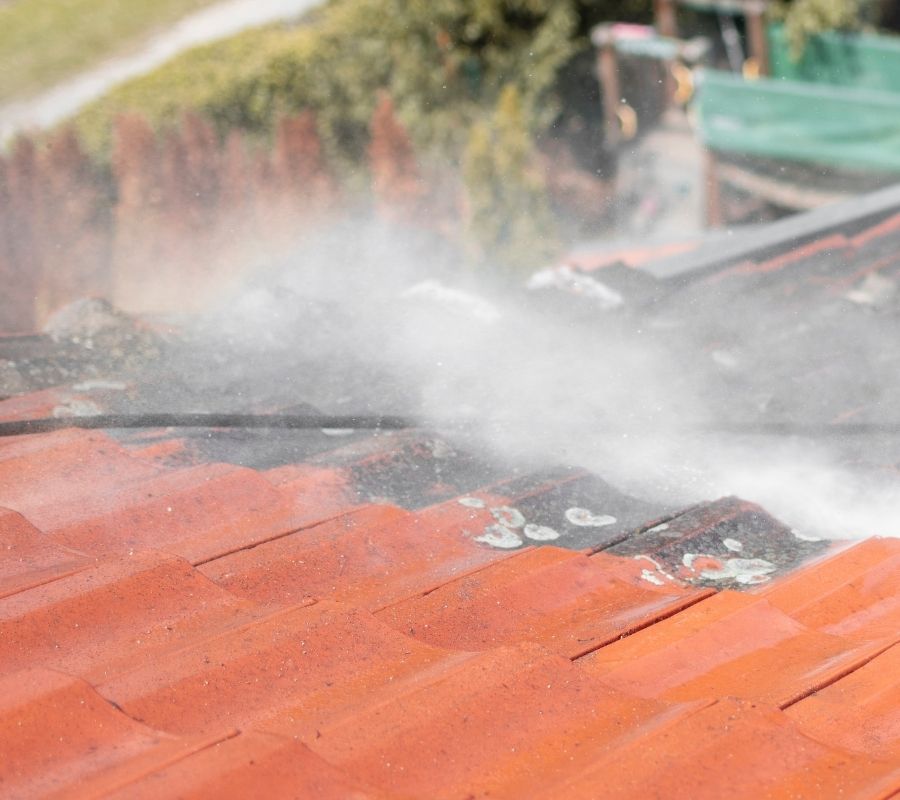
{"points": [[501, 559], [113, 705], [454, 662], [49, 579], [877, 231], [689, 601], [133, 564], [544, 486], [264, 615], [102, 788], [829, 558], [305, 527], [678, 712], [869, 652]]}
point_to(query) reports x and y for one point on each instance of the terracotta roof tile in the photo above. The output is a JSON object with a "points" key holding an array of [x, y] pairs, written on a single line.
{"points": [[120, 612], [733, 749], [568, 602], [729, 645], [860, 712], [277, 628], [238, 768], [855, 593], [373, 556], [57, 732], [212, 614], [510, 722], [309, 662], [28, 558]]}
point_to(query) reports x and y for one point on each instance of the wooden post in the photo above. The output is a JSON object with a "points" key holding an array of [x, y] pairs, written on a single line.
{"points": [[608, 73], [756, 33], [714, 216], [666, 23], [664, 19]]}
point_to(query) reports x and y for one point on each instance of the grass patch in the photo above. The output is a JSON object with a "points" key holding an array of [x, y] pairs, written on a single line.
{"points": [[43, 41]]}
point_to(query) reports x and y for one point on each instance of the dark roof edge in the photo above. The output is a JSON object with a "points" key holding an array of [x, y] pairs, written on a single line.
{"points": [[794, 230]]}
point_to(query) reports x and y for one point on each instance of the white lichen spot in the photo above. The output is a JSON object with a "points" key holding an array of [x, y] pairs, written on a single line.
{"points": [[658, 567], [338, 431], [651, 577], [741, 570], [540, 533], [510, 517], [688, 559], [587, 519], [100, 384], [805, 537], [749, 579], [471, 502], [500, 536], [733, 544], [659, 528]]}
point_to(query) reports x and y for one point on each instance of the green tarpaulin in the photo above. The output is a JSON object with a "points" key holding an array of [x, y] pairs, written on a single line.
{"points": [[839, 59], [800, 121]]}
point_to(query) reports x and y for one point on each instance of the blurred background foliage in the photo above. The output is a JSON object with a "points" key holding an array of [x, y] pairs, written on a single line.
{"points": [[444, 62], [485, 89], [805, 18]]}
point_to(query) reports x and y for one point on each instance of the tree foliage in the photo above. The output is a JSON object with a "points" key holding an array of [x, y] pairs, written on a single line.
{"points": [[805, 18], [442, 61], [397, 187], [508, 218]]}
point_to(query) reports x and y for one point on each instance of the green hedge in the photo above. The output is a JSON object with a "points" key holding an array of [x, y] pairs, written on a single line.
{"points": [[443, 61]]}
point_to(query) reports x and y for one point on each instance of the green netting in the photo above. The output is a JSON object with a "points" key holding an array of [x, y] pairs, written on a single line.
{"points": [[829, 125], [839, 59]]}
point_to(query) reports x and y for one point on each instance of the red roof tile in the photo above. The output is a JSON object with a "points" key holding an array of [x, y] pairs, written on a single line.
{"points": [[511, 722], [308, 663], [57, 731], [28, 558], [855, 594], [733, 749], [730, 645], [104, 618], [240, 767], [860, 712], [568, 602], [173, 627], [396, 618]]}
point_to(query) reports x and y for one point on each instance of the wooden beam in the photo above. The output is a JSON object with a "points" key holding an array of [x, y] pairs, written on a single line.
{"points": [[759, 40], [714, 217], [611, 89], [780, 192], [664, 19]]}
